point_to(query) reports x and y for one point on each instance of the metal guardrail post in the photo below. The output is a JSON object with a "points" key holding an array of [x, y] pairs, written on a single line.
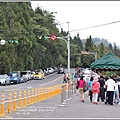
{"points": [[62, 95], [74, 88], [68, 92]]}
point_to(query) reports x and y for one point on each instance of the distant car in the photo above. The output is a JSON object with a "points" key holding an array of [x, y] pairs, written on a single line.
{"points": [[55, 69], [23, 78], [51, 70], [47, 71], [38, 75], [61, 70], [27, 74], [32, 74], [14, 77], [4, 79]]}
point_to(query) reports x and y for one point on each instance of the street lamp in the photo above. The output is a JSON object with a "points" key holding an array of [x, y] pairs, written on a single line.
{"points": [[68, 46]]}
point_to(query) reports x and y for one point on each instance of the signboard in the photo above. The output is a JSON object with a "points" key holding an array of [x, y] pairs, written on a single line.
{"points": [[84, 52], [53, 37], [2, 42]]}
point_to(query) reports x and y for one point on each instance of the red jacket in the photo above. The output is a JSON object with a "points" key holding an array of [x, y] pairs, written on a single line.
{"points": [[95, 87]]}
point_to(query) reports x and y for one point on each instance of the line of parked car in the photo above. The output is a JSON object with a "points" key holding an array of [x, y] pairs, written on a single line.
{"points": [[18, 77]]}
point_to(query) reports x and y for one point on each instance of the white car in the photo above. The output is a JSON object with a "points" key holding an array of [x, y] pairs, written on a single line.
{"points": [[4, 79], [51, 70], [27, 74], [88, 76]]}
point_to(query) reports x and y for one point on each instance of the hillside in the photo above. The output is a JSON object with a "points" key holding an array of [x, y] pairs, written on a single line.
{"points": [[97, 41]]}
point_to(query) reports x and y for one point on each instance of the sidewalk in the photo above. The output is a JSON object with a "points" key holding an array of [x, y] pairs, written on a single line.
{"points": [[50, 108]]}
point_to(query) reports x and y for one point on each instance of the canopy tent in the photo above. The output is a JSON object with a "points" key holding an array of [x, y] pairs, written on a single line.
{"points": [[107, 62]]}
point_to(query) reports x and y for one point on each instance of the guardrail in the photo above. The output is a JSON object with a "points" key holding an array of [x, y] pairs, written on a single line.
{"points": [[17, 99], [67, 95]]}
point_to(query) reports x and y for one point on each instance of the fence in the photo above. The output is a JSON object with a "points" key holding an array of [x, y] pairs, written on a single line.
{"points": [[67, 95], [16, 99]]}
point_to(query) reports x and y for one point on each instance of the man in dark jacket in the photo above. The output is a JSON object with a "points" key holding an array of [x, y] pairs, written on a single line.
{"points": [[102, 91]]}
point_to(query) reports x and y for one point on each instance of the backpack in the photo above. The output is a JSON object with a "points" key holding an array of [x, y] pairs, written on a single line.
{"points": [[85, 88]]}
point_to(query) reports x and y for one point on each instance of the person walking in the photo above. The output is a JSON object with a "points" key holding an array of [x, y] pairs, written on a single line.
{"points": [[90, 88], [73, 77], [65, 78], [106, 96], [102, 91], [95, 90], [116, 92], [110, 85], [81, 82]]}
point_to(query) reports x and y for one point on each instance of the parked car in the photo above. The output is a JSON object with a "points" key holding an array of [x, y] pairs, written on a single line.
{"points": [[44, 71], [27, 74], [51, 70], [15, 77], [32, 74], [38, 75], [23, 77], [4, 79], [47, 71], [61, 70], [55, 69]]}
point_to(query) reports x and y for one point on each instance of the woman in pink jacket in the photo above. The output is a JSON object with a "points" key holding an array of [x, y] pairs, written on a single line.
{"points": [[95, 90], [81, 83]]}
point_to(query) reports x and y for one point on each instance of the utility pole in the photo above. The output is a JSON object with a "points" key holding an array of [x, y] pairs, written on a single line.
{"points": [[68, 45]]}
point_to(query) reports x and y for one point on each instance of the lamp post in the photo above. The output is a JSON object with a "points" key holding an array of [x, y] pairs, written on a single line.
{"points": [[68, 46]]}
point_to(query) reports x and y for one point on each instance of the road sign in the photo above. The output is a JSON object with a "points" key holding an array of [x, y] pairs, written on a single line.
{"points": [[53, 37], [2, 42]]}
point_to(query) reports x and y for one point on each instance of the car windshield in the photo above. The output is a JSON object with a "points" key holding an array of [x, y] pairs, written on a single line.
{"points": [[2, 76], [13, 74], [36, 73], [23, 73]]}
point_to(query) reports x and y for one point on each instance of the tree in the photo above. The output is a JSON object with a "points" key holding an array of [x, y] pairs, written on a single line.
{"points": [[101, 49]]}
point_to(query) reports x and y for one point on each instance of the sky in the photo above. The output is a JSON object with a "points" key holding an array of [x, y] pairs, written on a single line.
{"points": [[85, 14]]}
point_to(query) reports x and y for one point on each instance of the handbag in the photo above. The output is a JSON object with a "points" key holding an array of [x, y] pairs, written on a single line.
{"points": [[85, 88]]}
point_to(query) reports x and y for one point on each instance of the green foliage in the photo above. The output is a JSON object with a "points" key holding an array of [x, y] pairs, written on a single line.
{"points": [[19, 23]]}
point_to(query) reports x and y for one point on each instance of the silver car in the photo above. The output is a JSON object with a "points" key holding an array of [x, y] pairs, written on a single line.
{"points": [[4, 79]]}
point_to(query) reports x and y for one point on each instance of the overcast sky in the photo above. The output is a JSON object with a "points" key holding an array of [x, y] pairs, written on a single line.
{"points": [[84, 14]]}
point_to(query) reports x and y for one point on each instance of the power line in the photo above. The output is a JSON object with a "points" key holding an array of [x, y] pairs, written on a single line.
{"points": [[94, 26]]}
